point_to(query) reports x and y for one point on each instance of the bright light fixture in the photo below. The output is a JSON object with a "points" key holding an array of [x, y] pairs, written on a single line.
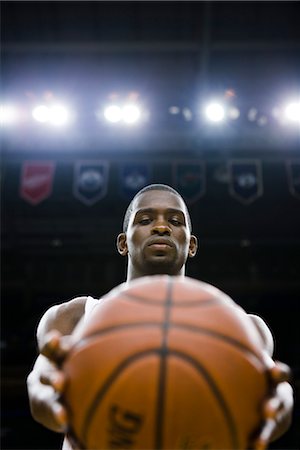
{"points": [[113, 113], [55, 115], [252, 114], [215, 112], [131, 114], [234, 113], [58, 115], [8, 114], [292, 112], [41, 113]]}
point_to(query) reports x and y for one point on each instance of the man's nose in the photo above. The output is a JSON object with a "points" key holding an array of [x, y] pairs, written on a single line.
{"points": [[161, 227]]}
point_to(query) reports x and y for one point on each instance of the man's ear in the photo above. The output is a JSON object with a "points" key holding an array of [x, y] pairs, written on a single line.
{"points": [[122, 244], [193, 246]]}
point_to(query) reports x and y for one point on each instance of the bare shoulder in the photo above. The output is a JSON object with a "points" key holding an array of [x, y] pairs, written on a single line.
{"points": [[62, 317], [265, 333]]}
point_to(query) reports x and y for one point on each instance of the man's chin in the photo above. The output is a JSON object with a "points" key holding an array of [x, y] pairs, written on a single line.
{"points": [[160, 266]]}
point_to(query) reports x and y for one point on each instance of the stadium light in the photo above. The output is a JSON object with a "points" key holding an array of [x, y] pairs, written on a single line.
{"points": [[58, 115], [234, 113], [292, 112], [113, 113], [174, 110], [252, 114], [41, 113], [55, 115], [128, 113], [131, 114], [215, 112], [8, 115]]}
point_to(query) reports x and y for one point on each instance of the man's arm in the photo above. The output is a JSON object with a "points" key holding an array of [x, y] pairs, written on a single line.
{"points": [[279, 407], [45, 382]]}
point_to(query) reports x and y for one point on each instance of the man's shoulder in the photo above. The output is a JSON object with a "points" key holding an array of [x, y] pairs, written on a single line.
{"points": [[72, 309], [62, 317], [265, 333]]}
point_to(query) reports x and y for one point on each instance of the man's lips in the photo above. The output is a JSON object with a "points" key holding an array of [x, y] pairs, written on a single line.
{"points": [[160, 243]]}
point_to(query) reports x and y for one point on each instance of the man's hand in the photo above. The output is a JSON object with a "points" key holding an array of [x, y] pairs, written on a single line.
{"points": [[46, 382], [56, 348], [277, 409]]}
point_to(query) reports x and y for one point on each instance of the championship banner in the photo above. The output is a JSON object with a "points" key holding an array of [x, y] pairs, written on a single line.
{"points": [[189, 179], [293, 175], [245, 180], [133, 177], [90, 181], [36, 180]]}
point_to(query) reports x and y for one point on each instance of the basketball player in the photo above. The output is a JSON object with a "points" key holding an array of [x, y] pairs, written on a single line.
{"points": [[156, 239]]}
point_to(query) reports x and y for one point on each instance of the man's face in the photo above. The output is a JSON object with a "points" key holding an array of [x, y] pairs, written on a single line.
{"points": [[158, 238]]}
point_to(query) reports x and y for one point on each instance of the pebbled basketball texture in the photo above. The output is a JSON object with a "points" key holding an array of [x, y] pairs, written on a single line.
{"points": [[166, 363]]}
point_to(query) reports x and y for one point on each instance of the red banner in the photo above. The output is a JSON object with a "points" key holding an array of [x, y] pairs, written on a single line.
{"points": [[36, 180]]}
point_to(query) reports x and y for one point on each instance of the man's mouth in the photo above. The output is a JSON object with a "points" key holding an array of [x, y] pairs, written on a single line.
{"points": [[160, 243]]}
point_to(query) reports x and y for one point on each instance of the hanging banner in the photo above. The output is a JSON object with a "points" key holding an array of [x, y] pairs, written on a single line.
{"points": [[189, 179], [133, 177], [90, 181], [245, 180], [36, 180], [293, 176]]}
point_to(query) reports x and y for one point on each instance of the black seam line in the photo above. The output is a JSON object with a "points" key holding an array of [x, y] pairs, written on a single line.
{"points": [[196, 364], [181, 303], [218, 396], [104, 388], [194, 329], [160, 413]]}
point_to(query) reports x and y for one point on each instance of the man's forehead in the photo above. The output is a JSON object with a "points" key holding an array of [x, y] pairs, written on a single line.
{"points": [[156, 199]]}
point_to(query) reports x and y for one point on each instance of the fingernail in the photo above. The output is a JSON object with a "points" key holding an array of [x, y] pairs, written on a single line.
{"points": [[58, 382], [280, 372], [60, 414], [272, 407]]}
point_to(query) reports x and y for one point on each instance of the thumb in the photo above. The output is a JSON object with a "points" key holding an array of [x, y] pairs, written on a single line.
{"points": [[280, 372], [56, 346], [262, 441], [60, 416]]}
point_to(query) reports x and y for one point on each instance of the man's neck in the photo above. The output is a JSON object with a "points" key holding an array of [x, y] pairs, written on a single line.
{"points": [[133, 275]]}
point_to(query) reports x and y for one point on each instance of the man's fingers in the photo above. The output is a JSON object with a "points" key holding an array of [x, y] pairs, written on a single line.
{"points": [[60, 416], [51, 344], [56, 346], [56, 380], [272, 407], [262, 441], [280, 372]]}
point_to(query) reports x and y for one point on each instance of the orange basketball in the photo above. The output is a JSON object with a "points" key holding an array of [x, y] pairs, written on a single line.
{"points": [[166, 363]]}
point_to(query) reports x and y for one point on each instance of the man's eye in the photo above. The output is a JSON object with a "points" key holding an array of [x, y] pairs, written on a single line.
{"points": [[175, 221], [145, 221]]}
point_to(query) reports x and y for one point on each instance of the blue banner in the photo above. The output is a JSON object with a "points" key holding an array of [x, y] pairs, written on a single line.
{"points": [[133, 177], [90, 181], [245, 180]]}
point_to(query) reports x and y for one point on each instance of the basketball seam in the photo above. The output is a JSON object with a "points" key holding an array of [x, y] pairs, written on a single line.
{"points": [[185, 303], [163, 367], [218, 395], [191, 328], [196, 364]]}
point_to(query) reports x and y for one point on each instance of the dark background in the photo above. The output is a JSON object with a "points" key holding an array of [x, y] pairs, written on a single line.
{"points": [[173, 54]]}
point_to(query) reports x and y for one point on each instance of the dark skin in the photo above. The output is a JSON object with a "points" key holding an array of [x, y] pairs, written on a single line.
{"points": [[158, 241]]}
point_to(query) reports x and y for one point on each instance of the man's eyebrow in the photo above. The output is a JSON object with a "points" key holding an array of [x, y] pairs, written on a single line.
{"points": [[153, 210], [139, 212], [176, 211], [145, 210]]}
